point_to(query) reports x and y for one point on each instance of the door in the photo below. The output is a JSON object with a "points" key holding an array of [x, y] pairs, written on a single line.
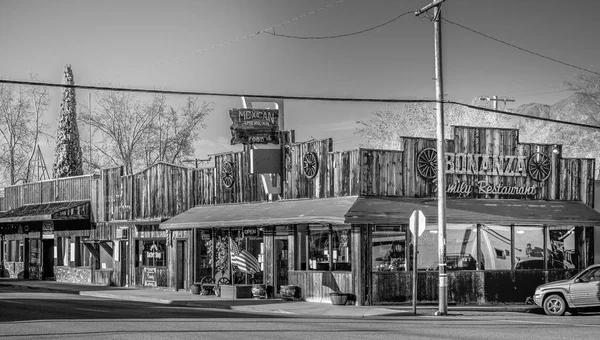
{"points": [[587, 291], [181, 265], [281, 262], [48, 259]]}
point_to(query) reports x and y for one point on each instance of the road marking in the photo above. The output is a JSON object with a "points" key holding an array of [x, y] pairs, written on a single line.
{"points": [[552, 323], [93, 310]]}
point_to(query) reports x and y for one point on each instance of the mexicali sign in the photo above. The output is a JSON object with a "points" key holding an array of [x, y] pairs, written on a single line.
{"points": [[485, 164]]}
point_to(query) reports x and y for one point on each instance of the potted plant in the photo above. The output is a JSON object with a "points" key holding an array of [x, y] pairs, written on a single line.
{"points": [[338, 298]]}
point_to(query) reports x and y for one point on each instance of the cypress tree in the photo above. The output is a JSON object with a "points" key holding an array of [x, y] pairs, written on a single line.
{"points": [[67, 154]]}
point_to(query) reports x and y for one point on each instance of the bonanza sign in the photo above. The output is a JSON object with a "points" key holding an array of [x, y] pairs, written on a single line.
{"points": [[485, 164], [254, 126]]}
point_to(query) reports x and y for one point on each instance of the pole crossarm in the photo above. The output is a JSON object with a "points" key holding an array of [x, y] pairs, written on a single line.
{"points": [[428, 7]]}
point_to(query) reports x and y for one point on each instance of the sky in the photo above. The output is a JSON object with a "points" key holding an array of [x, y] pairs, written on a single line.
{"points": [[215, 46]]}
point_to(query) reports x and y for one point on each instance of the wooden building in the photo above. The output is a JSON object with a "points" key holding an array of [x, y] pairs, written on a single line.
{"points": [[517, 215]]}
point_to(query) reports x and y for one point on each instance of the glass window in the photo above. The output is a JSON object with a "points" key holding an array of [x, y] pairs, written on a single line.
{"points": [[327, 248], [204, 251], [388, 248], [461, 246], [495, 247], [561, 248], [318, 247], [341, 255], [153, 253], [529, 247]]}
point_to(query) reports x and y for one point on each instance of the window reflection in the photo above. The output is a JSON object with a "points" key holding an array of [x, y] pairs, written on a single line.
{"points": [[495, 247], [561, 248], [529, 247], [389, 248]]}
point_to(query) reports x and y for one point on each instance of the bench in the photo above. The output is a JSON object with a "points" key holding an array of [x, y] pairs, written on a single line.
{"points": [[208, 286]]}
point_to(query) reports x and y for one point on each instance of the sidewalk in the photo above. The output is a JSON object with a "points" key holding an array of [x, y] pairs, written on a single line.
{"points": [[185, 298]]}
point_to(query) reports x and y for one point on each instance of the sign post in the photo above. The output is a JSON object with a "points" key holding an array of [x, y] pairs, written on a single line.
{"points": [[417, 227]]}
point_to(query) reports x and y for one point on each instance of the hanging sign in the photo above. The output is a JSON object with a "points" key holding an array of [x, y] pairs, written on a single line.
{"points": [[47, 230], [254, 126]]}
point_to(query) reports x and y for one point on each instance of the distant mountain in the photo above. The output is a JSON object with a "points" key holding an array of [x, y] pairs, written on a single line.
{"points": [[575, 108]]}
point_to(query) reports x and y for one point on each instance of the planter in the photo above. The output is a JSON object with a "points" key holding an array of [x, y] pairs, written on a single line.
{"points": [[288, 292], [195, 288], [259, 291], [338, 298]]}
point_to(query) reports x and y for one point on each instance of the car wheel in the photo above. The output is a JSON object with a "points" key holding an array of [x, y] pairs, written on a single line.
{"points": [[555, 305]]}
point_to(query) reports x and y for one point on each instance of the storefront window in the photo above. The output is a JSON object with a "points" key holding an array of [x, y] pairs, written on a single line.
{"points": [[318, 247], [495, 247], [388, 248], [561, 248], [153, 253], [340, 254], [461, 246], [326, 248], [529, 247]]}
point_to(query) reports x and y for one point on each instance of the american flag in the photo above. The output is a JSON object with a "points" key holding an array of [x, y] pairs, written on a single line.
{"points": [[245, 261]]}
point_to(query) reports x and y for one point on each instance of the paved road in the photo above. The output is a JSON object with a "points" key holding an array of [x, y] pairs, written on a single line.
{"points": [[26, 314]]}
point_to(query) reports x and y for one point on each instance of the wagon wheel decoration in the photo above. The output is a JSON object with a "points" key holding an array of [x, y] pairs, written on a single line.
{"points": [[427, 163], [310, 165], [538, 167], [227, 174]]}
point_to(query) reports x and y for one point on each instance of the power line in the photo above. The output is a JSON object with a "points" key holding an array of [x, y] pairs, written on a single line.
{"points": [[521, 48], [338, 35], [330, 99], [230, 41]]}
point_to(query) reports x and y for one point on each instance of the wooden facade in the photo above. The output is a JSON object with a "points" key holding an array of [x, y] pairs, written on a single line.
{"points": [[477, 158]]}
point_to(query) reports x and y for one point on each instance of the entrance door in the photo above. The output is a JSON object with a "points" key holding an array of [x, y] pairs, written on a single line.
{"points": [[281, 262], [48, 259], [181, 265]]}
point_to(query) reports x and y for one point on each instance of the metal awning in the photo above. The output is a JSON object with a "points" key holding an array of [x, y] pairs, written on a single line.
{"points": [[397, 210], [151, 221], [71, 210], [323, 211]]}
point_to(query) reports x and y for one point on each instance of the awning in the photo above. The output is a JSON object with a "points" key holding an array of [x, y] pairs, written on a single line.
{"points": [[134, 222], [396, 210], [72, 210], [324, 211]]}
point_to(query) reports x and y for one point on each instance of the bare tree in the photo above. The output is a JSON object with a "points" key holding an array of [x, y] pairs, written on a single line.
{"points": [[137, 134], [21, 127], [385, 127], [176, 130]]}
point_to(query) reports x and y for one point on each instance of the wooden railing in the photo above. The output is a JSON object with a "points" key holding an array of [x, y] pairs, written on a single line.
{"points": [[54, 190]]}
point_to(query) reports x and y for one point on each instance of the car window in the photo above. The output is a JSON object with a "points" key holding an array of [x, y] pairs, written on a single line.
{"points": [[591, 275]]}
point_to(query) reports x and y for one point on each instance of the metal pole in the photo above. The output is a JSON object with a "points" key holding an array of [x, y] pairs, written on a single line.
{"points": [[90, 126], [441, 175], [414, 264], [495, 102]]}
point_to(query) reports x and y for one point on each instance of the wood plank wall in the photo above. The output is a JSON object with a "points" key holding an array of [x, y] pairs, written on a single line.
{"points": [[298, 185], [55, 190], [164, 190]]}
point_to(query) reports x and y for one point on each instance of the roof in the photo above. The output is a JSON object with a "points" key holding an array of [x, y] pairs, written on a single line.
{"points": [[324, 211], [71, 210], [397, 210]]}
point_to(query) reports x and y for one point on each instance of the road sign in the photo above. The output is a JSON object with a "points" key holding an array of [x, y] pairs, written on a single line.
{"points": [[417, 222]]}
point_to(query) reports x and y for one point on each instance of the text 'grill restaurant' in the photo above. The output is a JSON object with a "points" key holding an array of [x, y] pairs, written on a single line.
{"points": [[315, 222]]}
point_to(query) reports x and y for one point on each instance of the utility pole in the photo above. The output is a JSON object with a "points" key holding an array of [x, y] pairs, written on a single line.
{"points": [[494, 99], [441, 152]]}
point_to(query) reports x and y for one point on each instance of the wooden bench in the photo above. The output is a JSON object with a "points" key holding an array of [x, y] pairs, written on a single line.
{"points": [[208, 286]]}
